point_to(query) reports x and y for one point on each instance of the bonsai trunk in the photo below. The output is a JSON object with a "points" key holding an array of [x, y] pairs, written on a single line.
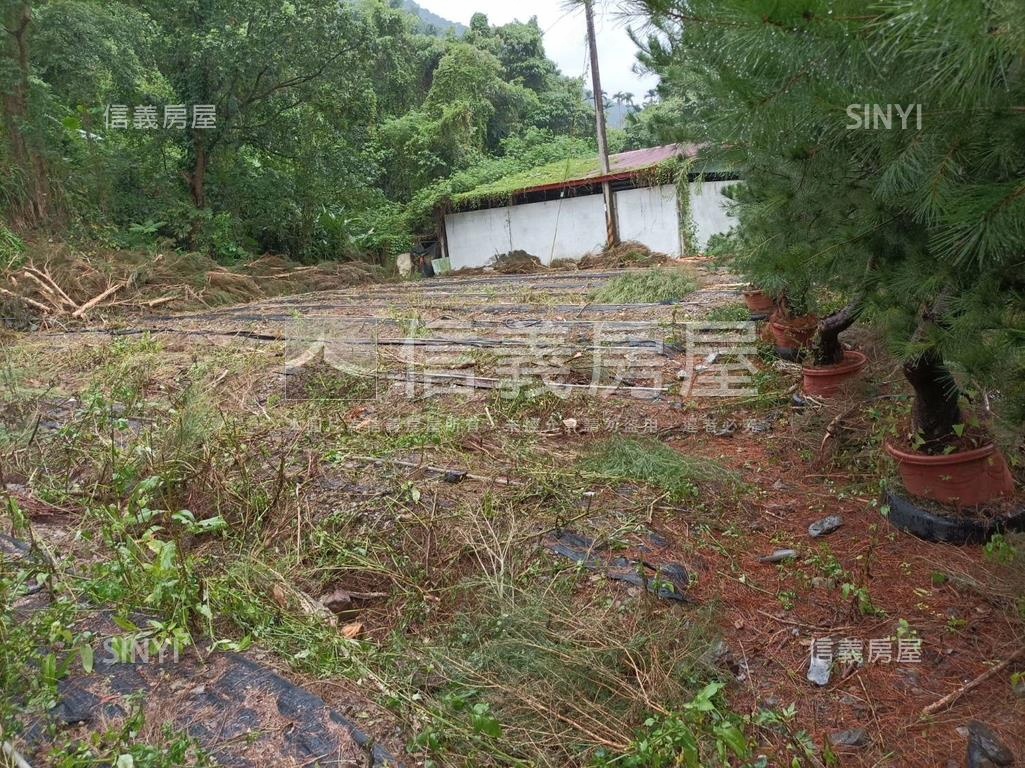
{"points": [[829, 350], [936, 409]]}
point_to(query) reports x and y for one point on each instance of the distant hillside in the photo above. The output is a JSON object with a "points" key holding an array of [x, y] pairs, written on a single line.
{"points": [[440, 24], [615, 115]]}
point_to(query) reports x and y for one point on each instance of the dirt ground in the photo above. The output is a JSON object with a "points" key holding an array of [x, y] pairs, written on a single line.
{"points": [[466, 481]]}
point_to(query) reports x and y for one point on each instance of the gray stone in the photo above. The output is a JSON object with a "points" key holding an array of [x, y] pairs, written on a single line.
{"points": [[779, 556], [821, 582], [1019, 689], [825, 526], [855, 737], [985, 749], [819, 671]]}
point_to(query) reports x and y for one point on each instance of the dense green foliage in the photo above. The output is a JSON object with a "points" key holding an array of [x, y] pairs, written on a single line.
{"points": [[920, 224], [330, 119]]}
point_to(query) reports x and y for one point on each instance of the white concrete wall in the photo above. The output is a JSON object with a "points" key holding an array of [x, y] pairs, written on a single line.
{"points": [[708, 210], [650, 215], [475, 237], [573, 226], [554, 229], [558, 229]]}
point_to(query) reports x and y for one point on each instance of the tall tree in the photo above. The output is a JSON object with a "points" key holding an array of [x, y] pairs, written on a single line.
{"points": [[252, 61], [32, 192]]}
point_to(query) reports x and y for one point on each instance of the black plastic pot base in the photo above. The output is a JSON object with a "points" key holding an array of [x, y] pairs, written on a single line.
{"points": [[911, 518]]}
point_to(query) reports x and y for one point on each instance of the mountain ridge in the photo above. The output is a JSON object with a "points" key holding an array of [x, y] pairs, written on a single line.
{"points": [[429, 18]]}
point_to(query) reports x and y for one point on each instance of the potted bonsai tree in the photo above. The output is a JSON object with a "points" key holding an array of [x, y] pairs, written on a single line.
{"points": [[833, 365], [759, 303], [946, 455]]}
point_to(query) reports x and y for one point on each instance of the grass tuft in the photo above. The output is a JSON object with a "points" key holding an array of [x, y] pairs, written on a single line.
{"points": [[656, 286], [657, 465]]}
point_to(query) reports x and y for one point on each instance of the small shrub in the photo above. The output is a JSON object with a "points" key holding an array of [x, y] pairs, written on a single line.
{"points": [[731, 313]]}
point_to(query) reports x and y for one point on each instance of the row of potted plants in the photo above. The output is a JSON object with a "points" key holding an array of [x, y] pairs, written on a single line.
{"points": [[969, 472], [921, 230]]}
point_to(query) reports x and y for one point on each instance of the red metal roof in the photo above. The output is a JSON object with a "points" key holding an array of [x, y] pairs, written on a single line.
{"points": [[622, 166]]}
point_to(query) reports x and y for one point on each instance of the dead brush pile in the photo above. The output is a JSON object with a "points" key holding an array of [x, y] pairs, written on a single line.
{"points": [[627, 254], [57, 281], [518, 263]]}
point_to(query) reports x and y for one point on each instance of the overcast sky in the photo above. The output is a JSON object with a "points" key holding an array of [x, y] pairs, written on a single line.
{"points": [[565, 36]]}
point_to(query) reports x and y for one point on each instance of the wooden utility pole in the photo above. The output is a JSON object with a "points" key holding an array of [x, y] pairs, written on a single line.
{"points": [[611, 216]]}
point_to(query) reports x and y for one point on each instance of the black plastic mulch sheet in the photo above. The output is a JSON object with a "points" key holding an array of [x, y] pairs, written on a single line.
{"points": [[668, 581], [240, 712]]}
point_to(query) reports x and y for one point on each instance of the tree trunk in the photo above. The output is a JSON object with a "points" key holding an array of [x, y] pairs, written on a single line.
{"points": [[936, 408], [16, 113], [829, 350], [197, 179]]}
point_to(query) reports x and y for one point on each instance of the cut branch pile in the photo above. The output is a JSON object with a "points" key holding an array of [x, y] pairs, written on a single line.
{"points": [[38, 289], [63, 284]]}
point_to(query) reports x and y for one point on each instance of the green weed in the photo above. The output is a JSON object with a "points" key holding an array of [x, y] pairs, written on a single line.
{"points": [[700, 734], [655, 286], [647, 461], [731, 313]]}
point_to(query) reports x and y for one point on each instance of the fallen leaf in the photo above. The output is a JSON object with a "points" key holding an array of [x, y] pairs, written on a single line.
{"points": [[353, 630], [279, 596]]}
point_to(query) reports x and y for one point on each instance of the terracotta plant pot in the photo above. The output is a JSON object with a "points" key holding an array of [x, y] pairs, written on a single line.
{"points": [[759, 302], [965, 479], [793, 332], [826, 380]]}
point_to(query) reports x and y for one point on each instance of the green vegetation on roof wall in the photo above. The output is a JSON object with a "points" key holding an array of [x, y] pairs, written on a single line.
{"points": [[558, 172]]}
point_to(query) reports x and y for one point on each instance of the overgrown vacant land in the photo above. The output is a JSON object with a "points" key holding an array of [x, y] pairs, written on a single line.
{"points": [[330, 567]]}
